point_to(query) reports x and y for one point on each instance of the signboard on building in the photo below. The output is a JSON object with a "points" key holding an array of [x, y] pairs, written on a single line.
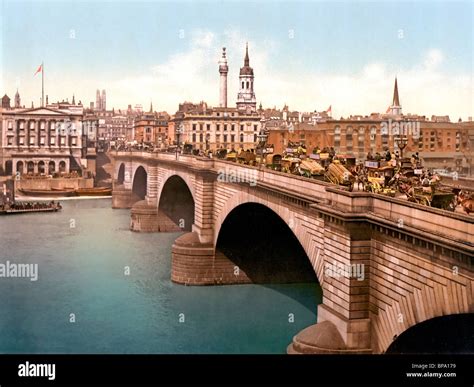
{"points": [[418, 171]]}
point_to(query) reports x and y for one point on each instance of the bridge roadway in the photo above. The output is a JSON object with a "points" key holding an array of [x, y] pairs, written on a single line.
{"points": [[417, 260]]}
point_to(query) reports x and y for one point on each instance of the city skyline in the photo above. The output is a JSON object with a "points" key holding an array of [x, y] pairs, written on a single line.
{"points": [[341, 64]]}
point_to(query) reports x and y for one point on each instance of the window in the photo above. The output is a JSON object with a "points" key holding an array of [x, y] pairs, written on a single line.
{"points": [[73, 141], [242, 85], [248, 84], [255, 128], [32, 140], [208, 127], [232, 138], [10, 140], [218, 138], [21, 140], [52, 141], [218, 127], [225, 138], [232, 127], [200, 126], [32, 125], [194, 137], [10, 125], [254, 138], [225, 127], [63, 141], [241, 137], [41, 140], [200, 138], [194, 126], [337, 137], [349, 138], [241, 127], [22, 125], [42, 125]]}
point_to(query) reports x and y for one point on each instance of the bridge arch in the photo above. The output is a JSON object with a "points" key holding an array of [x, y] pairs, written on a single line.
{"points": [[448, 334], [176, 202], [121, 174], [310, 244], [417, 308], [139, 185]]}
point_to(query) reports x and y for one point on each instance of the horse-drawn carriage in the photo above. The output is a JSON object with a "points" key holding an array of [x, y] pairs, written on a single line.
{"points": [[290, 164], [246, 157], [336, 173], [378, 178], [310, 168]]}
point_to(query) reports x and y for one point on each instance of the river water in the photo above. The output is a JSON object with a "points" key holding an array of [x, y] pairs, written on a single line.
{"points": [[104, 289]]}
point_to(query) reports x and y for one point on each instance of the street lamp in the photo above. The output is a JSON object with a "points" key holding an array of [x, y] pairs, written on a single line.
{"points": [[178, 136], [262, 140], [402, 142]]}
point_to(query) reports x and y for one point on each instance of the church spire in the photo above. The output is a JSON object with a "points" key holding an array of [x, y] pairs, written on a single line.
{"points": [[247, 60], [396, 100], [151, 107]]}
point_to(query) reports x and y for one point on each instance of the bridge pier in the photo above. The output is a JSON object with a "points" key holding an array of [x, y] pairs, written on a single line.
{"points": [[343, 318], [198, 263], [145, 217], [121, 197]]}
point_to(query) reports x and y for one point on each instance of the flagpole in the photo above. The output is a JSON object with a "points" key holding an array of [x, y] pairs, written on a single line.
{"points": [[42, 84]]}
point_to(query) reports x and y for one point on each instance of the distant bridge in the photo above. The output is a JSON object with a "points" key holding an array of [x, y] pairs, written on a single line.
{"points": [[417, 261]]}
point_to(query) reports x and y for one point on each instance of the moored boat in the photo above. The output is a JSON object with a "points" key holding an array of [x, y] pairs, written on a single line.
{"points": [[48, 192], [24, 208], [97, 191]]}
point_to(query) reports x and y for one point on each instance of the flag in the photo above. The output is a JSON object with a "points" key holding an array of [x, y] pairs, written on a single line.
{"points": [[329, 109], [40, 69]]}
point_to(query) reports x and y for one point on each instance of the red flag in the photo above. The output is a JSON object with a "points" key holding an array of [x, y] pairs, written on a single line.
{"points": [[329, 109], [40, 69]]}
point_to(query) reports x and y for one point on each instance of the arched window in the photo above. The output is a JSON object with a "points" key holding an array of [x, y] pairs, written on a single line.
{"points": [[19, 167], [41, 167], [30, 167], [248, 84], [51, 167], [242, 84], [62, 166]]}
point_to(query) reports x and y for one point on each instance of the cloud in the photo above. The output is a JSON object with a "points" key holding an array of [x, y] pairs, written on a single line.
{"points": [[192, 75]]}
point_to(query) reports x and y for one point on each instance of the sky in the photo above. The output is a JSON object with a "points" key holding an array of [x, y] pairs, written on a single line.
{"points": [[308, 54]]}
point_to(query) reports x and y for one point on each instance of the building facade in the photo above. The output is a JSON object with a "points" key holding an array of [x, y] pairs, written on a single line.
{"points": [[223, 127], [42, 140]]}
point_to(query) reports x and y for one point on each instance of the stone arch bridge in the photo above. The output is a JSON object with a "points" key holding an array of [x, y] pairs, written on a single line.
{"points": [[416, 261]]}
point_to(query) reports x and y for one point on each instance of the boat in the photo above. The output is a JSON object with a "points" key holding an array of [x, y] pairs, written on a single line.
{"points": [[97, 191], [48, 192], [25, 208]]}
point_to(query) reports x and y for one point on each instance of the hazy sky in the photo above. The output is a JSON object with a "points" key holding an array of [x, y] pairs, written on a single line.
{"points": [[306, 54]]}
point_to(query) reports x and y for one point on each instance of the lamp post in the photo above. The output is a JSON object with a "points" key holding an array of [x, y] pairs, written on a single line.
{"points": [[262, 141], [402, 142], [178, 137]]}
